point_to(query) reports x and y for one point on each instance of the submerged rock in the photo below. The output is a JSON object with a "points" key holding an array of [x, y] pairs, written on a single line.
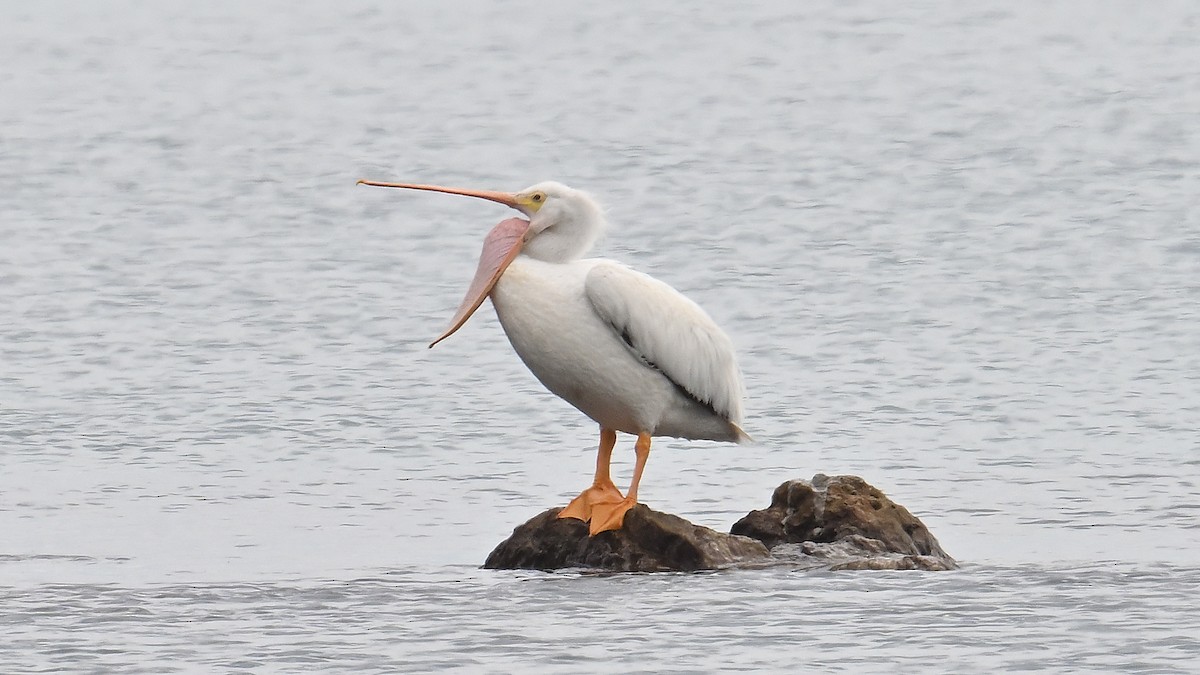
{"points": [[839, 523], [843, 522], [649, 541]]}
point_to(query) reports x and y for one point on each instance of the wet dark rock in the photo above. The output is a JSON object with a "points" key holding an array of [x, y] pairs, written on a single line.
{"points": [[843, 522], [650, 541], [838, 523]]}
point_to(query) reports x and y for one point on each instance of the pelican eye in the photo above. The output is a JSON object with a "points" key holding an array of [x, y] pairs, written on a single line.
{"points": [[533, 200]]}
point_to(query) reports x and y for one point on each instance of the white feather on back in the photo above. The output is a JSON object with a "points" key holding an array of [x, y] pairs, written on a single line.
{"points": [[671, 332]]}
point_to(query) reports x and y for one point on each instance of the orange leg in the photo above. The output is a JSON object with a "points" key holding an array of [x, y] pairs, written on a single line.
{"points": [[602, 490], [611, 516]]}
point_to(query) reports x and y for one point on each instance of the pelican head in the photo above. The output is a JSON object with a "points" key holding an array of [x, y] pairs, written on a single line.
{"points": [[562, 225]]}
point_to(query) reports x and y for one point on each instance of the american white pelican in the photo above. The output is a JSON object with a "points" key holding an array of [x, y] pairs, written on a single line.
{"points": [[627, 350]]}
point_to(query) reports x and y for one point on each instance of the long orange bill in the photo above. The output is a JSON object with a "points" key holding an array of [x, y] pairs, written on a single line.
{"points": [[505, 198], [500, 247]]}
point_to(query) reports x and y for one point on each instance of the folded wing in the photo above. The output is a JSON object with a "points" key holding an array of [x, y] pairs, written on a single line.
{"points": [[671, 333]]}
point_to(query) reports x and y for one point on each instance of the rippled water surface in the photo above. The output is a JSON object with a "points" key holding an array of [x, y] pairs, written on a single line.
{"points": [[956, 244]]}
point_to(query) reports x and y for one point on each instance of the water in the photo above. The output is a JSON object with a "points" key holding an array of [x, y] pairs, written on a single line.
{"points": [[957, 246]]}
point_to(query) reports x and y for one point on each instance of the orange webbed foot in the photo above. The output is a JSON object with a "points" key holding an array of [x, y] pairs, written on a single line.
{"points": [[610, 516], [583, 506]]}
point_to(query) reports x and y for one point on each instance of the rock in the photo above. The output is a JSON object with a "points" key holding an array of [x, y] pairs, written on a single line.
{"points": [[838, 523], [842, 523], [650, 541]]}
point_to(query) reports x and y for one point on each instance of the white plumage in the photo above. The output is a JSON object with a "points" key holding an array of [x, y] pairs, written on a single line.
{"points": [[627, 350], [672, 333]]}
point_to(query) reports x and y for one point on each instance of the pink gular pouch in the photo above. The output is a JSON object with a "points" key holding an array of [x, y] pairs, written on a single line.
{"points": [[500, 247]]}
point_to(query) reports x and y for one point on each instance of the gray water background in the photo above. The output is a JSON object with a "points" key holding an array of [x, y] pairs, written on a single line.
{"points": [[956, 244]]}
